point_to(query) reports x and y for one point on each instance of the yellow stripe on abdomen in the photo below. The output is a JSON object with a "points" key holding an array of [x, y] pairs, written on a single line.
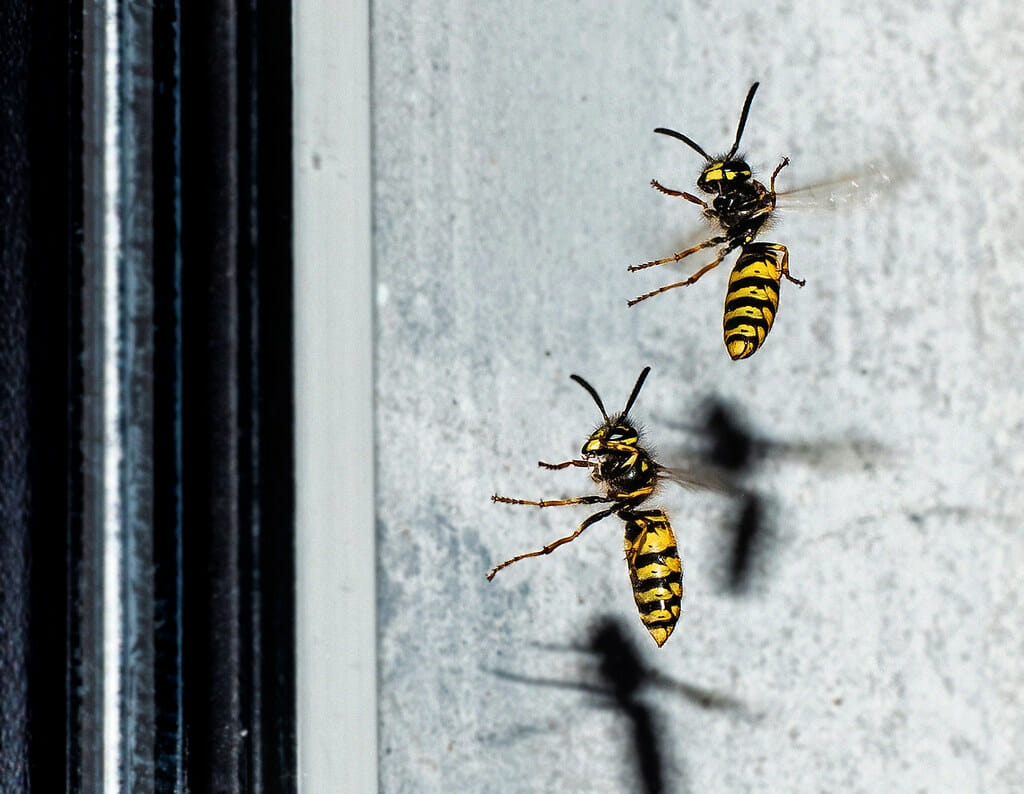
{"points": [[752, 299], [655, 570]]}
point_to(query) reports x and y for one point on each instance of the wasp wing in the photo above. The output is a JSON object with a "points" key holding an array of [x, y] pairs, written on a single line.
{"points": [[697, 477], [858, 187]]}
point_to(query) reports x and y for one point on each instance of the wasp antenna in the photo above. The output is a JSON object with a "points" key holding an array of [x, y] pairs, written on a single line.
{"points": [[593, 393], [679, 136], [636, 390], [743, 120]]}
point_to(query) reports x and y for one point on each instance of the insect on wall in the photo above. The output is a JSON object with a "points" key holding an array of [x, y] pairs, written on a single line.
{"points": [[627, 477], [740, 206]]}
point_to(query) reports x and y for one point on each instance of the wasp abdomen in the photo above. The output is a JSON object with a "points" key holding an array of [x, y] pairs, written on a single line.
{"points": [[753, 297], [654, 570]]}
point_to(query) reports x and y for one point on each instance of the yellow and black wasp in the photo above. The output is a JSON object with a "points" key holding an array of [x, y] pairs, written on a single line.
{"points": [[740, 206], [627, 476]]}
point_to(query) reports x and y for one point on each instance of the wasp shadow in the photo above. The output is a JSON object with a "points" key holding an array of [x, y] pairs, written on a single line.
{"points": [[619, 679], [727, 454]]}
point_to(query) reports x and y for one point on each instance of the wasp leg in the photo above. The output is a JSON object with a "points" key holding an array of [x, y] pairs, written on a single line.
{"points": [[666, 190], [784, 267], [576, 500], [775, 173], [554, 545], [692, 279], [566, 464], [679, 193], [683, 254]]}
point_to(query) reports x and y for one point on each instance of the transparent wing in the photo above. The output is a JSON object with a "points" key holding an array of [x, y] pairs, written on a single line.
{"points": [[697, 477], [860, 186]]}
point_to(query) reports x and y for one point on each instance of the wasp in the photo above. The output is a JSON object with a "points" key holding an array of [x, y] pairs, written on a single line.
{"points": [[740, 206], [627, 476]]}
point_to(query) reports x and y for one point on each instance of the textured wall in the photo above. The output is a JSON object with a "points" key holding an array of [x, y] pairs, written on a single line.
{"points": [[880, 645]]}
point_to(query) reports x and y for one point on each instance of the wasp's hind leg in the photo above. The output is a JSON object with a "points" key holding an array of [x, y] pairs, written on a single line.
{"points": [[561, 541], [784, 265]]}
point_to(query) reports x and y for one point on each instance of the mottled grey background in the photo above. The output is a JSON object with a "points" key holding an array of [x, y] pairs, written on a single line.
{"points": [[881, 648]]}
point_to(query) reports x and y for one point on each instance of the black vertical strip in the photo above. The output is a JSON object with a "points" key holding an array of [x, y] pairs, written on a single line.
{"points": [[15, 395], [42, 255], [248, 394], [169, 733], [267, 41], [42, 759], [210, 382], [56, 230], [249, 425], [237, 397], [40, 171]]}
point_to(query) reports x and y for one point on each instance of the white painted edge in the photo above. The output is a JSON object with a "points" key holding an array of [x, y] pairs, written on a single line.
{"points": [[336, 661], [112, 441]]}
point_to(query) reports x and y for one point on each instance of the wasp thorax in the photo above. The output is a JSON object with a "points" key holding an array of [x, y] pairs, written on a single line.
{"points": [[721, 174], [613, 469]]}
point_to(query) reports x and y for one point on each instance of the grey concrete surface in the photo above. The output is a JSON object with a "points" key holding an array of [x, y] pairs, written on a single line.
{"points": [[881, 645]]}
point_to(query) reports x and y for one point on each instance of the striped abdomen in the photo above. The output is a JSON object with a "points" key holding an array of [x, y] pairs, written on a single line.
{"points": [[753, 297], [654, 569]]}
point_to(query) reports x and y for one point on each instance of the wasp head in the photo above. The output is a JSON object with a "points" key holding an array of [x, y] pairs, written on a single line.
{"points": [[619, 462], [613, 437], [725, 172], [720, 175], [612, 448]]}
